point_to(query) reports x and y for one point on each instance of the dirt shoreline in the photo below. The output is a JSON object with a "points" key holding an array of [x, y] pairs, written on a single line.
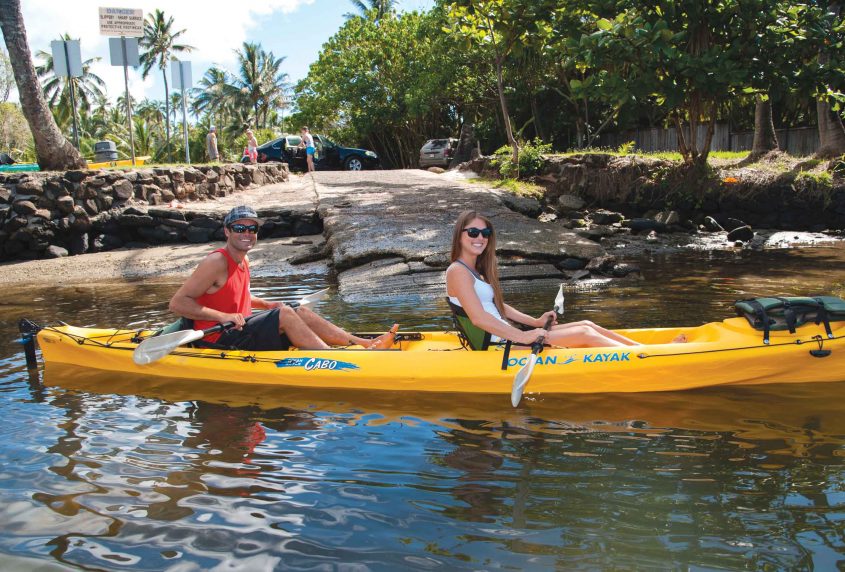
{"points": [[270, 257]]}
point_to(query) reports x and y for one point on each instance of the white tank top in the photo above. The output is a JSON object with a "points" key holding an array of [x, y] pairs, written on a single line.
{"points": [[484, 292]]}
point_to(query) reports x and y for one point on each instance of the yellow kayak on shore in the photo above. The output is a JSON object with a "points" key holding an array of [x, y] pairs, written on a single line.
{"points": [[730, 352]]}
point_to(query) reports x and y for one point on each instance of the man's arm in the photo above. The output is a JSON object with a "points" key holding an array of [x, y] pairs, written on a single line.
{"points": [[212, 271]]}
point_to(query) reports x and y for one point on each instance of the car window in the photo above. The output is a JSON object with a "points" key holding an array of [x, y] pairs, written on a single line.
{"points": [[294, 140], [437, 143], [328, 142]]}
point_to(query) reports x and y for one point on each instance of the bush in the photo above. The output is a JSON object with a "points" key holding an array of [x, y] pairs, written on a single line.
{"points": [[531, 159]]}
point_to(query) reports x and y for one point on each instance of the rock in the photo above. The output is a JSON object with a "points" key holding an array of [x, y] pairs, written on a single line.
{"points": [[605, 217], [76, 176], [570, 203], [741, 234], [436, 170], [644, 225], [528, 206], [65, 204], [572, 264], [123, 190], [54, 251], [622, 270], [668, 218], [197, 234], [602, 263], [710, 225], [24, 207], [78, 243]]}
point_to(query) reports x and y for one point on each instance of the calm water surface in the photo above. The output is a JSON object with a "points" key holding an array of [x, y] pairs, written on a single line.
{"points": [[104, 472]]}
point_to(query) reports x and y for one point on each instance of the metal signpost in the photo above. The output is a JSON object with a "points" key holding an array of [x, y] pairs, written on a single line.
{"points": [[128, 24], [181, 75], [67, 62]]}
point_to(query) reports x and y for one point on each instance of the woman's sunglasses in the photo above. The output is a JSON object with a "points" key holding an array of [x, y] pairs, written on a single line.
{"points": [[242, 228], [474, 232]]}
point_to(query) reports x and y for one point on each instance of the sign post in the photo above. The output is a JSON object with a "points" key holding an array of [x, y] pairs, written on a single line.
{"points": [[181, 74], [128, 24], [67, 62]]}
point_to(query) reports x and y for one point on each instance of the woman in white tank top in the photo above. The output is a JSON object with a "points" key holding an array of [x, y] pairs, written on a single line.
{"points": [[472, 282]]}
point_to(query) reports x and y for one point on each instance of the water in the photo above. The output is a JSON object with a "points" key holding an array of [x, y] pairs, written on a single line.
{"points": [[106, 472]]}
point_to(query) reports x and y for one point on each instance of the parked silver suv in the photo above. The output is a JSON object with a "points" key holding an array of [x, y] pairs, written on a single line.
{"points": [[437, 152]]}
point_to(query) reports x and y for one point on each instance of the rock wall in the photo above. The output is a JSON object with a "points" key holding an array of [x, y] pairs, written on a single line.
{"points": [[53, 214], [638, 187]]}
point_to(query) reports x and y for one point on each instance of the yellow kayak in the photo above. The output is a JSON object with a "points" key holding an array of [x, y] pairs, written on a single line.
{"points": [[730, 352]]}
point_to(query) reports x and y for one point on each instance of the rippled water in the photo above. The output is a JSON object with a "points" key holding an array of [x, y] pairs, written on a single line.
{"points": [[108, 472]]}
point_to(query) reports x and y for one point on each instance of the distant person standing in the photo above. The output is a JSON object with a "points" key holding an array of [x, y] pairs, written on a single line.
{"points": [[211, 144], [251, 146], [308, 143]]}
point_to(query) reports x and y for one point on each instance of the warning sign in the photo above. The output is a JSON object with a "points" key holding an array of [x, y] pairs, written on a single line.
{"points": [[126, 22]]}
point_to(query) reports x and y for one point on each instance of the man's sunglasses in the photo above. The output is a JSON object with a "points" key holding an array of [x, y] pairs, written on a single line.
{"points": [[474, 232], [242, 228]]}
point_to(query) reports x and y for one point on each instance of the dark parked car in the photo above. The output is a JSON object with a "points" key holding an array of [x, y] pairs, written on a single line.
{"points": [[329, 155], [437, 152]]}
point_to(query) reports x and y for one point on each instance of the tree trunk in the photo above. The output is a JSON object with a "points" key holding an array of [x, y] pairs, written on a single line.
{"points": [[831, 130], [466, 144], [765, 138], [500, 85], [54, 151]]}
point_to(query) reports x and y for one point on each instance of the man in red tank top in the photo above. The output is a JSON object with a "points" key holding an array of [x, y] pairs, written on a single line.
{"points": [[218, 292]]}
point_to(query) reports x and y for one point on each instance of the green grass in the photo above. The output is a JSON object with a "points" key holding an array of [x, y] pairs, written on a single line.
{"points": [[519, 188], [624, 151]]}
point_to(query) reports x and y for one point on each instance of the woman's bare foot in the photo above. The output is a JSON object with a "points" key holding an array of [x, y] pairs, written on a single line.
{"points": [[680, 339], [385, 341]]}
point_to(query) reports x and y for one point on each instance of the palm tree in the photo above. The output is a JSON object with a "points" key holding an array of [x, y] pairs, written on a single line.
{"points": [[260, 83], [87, 88], [53, 150], [210, 94], [160, 44], [375, 9]]}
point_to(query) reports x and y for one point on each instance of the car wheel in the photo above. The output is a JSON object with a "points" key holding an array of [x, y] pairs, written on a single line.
{"points": [[353, 164]]}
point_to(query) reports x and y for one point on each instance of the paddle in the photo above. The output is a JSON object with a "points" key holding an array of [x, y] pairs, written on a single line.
{"points": [[155, 348], [524, 373]]}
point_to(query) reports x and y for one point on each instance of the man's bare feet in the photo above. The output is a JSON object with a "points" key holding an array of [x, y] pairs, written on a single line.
{"points": [[680, 339], [384, 341]]}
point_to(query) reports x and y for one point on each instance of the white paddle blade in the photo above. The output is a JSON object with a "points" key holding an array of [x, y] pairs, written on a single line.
{"points": [[559, 300], [153, 349], [313, 298], [521, 380]]}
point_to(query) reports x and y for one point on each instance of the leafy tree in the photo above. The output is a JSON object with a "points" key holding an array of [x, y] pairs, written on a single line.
{"points": [[14, 132], [378, 85], [160, 44], [54, 152], [373, 10]]}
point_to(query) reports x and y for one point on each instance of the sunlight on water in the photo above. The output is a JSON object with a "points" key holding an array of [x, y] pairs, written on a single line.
{"points": [[110, 472]]}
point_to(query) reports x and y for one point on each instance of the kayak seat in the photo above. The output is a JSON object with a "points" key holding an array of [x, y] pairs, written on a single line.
{"points": [[472, 337], [177, 326]]}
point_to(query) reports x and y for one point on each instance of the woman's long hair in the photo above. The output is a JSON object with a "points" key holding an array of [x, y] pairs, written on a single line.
{"points": [[486, 264]]}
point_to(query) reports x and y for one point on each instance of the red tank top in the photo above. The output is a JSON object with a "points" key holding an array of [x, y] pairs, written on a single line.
{"points": [[233, 297]]}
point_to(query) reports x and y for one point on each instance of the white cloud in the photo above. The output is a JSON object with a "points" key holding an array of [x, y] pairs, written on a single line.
{"points": [[214, 27]]}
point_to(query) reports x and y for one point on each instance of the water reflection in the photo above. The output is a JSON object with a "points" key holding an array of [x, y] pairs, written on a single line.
{"points": [[108, 471]]}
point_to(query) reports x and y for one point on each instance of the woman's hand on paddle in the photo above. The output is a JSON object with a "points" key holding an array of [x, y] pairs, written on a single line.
{"points": [[541, 321], [528, 337]]}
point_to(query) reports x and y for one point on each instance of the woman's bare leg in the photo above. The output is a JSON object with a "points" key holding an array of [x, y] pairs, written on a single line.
{"points": [[603, 332], [337, 336]]}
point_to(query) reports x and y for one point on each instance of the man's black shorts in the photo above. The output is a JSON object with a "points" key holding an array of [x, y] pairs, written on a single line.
{"points": [[260, 333]]}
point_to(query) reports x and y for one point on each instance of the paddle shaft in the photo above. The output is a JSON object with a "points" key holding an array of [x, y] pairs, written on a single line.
{"points": [[537, 346]]}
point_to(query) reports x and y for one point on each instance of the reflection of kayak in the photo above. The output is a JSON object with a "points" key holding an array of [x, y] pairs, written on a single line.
{"points": [[19, 167], [708, 409], [718, 353]]}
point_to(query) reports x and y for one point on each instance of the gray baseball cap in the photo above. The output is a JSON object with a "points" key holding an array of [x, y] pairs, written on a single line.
{"points": [[241, 212]]}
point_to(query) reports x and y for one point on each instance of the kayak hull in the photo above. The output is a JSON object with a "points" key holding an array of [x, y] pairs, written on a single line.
{"points": [[717, 353]]}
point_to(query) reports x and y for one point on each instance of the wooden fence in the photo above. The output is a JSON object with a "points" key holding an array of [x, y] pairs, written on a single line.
{"points": [[798, 141]]}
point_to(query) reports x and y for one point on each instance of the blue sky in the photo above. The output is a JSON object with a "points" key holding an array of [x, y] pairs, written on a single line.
{"points": [[295, 29]]}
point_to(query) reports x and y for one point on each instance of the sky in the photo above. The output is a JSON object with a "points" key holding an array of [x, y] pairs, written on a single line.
{"points": [[295, 29]]}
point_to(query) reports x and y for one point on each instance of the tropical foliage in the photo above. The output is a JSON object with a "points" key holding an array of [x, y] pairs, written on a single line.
{"points": [[558, 74]]}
